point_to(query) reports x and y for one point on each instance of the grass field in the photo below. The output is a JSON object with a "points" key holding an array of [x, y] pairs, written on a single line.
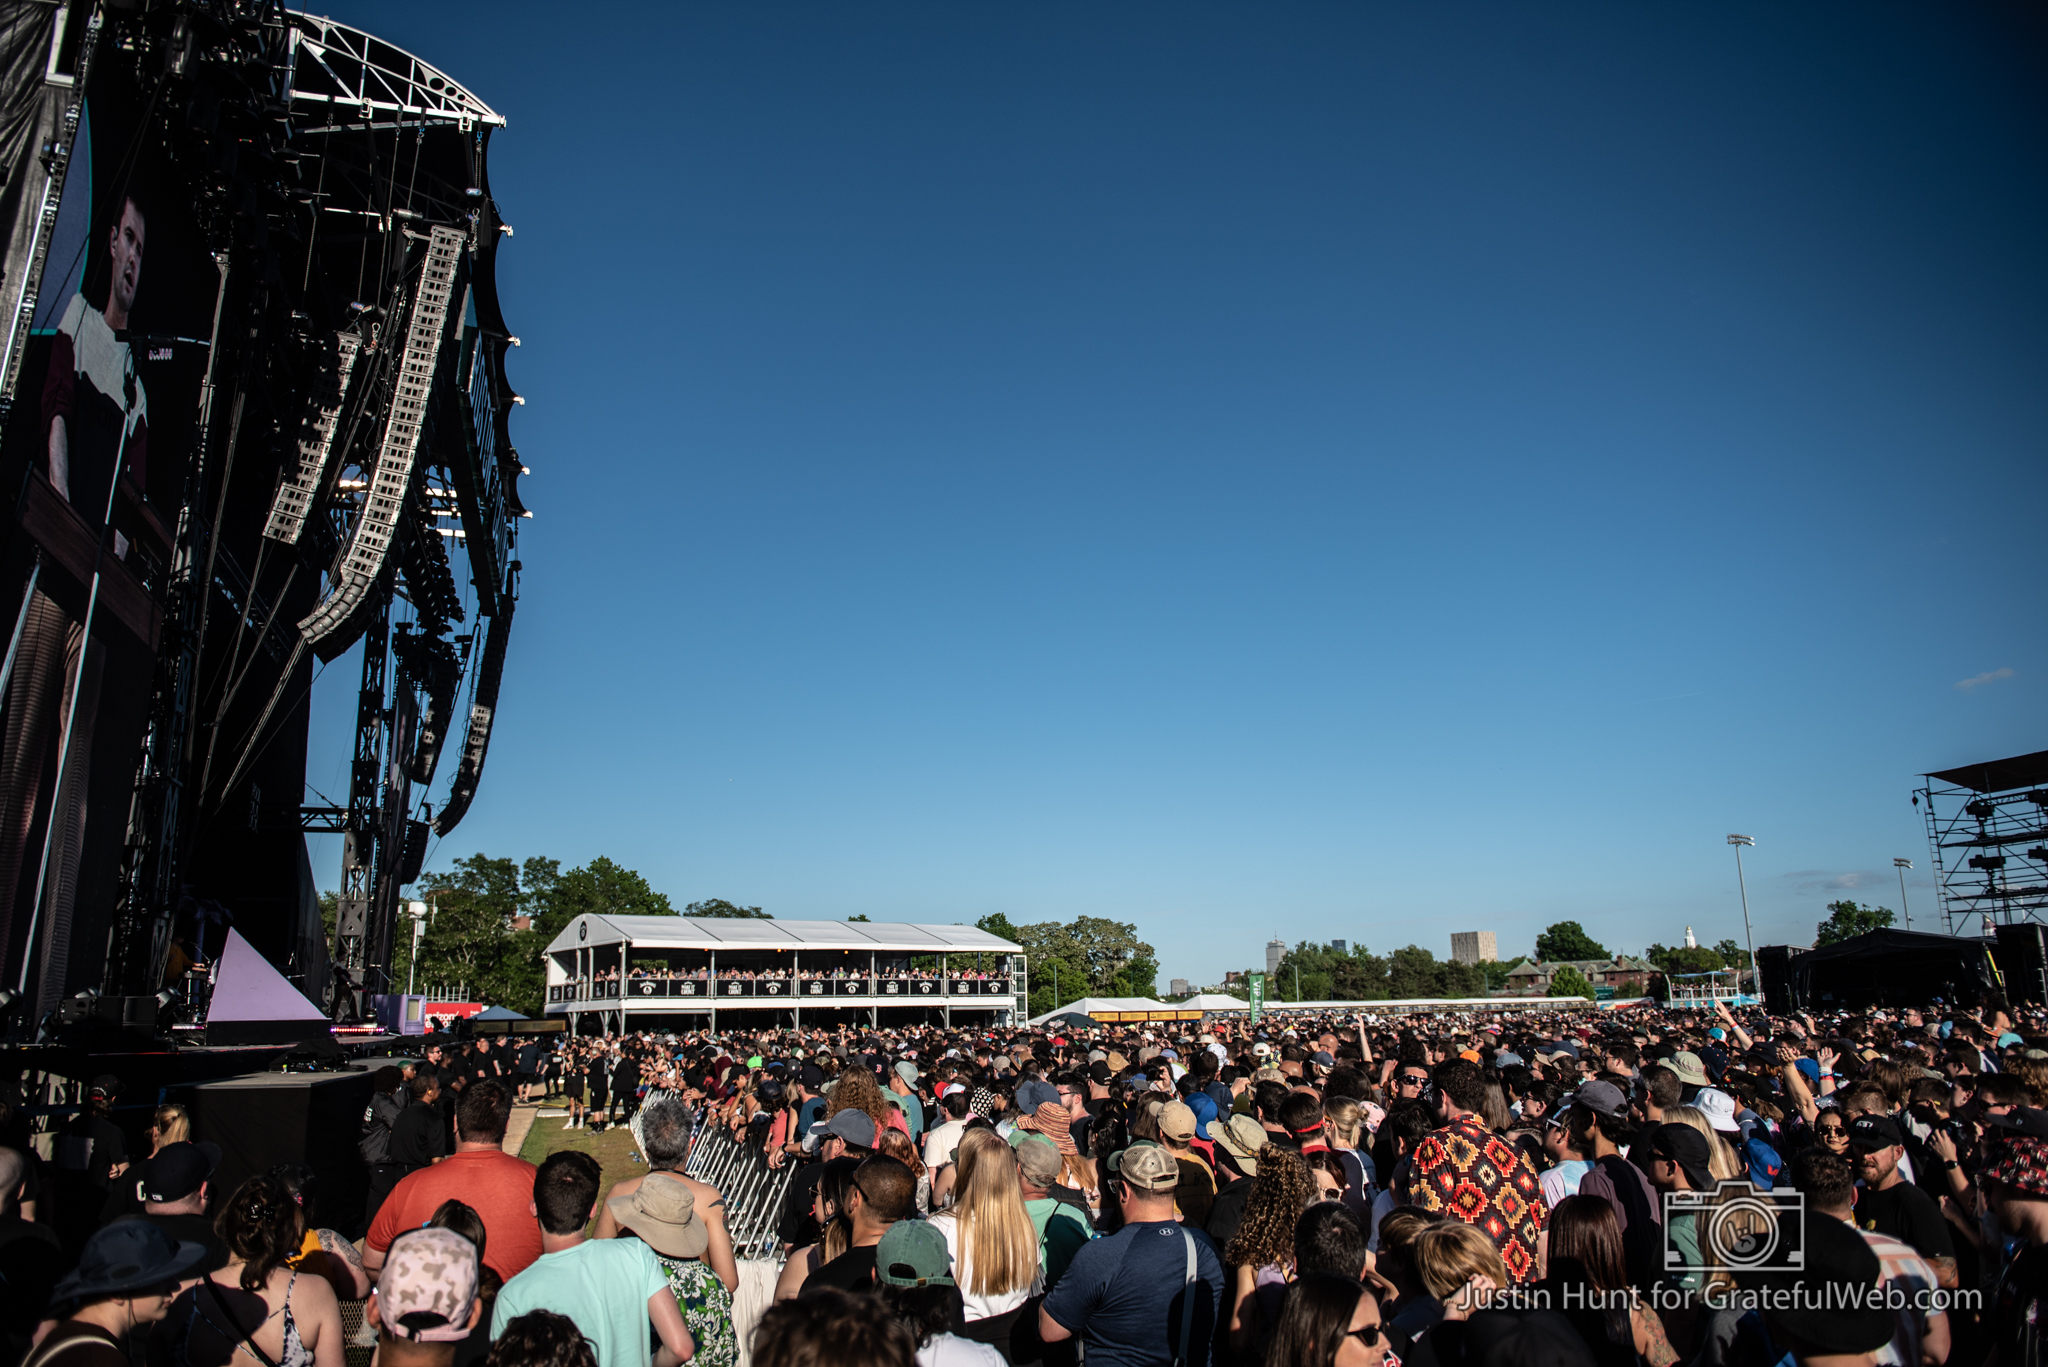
{"points": [[613, 1149]]}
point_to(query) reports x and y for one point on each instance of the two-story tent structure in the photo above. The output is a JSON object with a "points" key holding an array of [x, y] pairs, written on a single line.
{"points": [[683, 972]]}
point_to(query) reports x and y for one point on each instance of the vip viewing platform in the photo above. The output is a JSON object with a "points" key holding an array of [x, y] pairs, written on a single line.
{"points": [[683, 972]]}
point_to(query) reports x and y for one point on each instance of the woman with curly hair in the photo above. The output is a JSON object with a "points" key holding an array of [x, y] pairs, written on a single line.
{"points": [[857, 1090], [897, 1145], [1260, 1257], [258, 1297]]}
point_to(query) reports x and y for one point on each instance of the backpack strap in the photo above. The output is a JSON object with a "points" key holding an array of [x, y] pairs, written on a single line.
{"points": [[1187, 1302]]}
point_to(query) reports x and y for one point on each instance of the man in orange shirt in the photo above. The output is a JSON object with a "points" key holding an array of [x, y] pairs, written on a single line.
{"points": [[479, 1174]]}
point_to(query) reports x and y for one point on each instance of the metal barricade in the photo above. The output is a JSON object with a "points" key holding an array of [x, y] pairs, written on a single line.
{"points": [[753, 1191]]}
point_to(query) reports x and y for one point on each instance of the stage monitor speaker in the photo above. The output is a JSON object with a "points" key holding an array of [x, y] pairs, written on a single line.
{"points": [[264, 1119], [1774, 970], [2023, 960]]}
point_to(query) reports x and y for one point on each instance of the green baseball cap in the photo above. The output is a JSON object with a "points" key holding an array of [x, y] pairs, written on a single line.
{"points": [[913, 1253]]}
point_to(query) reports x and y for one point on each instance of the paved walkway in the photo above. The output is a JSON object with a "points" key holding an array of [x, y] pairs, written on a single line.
{"points": [[517, 1126]]}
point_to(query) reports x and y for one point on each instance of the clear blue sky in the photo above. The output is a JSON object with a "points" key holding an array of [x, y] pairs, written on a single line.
{"points": [[1336, 471]]}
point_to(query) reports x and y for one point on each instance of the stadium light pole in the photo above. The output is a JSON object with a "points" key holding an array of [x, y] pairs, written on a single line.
{"points": [[1738, 841], [1902, 865]]}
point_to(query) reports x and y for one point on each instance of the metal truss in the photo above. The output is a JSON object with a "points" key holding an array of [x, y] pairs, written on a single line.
{"points": [[1990, 854], [363, 77]]}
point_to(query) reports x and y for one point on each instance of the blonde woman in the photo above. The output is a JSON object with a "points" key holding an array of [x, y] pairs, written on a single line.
{"points": [[1459, 1266], [1344, 1132], [170, 1125], [991, 1237]]}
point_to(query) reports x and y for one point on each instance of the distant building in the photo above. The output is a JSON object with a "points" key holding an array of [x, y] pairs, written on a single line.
{"points": [[1474, 946], [1233, 978], [1340, 946], [1624, 974], [1276, 950], [1177, 988]]}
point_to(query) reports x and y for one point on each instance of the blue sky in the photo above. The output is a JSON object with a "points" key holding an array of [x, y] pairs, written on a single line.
{"points": [[1341, 471]]}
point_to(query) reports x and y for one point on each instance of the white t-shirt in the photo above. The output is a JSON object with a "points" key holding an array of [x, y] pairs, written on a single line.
{"points": [[980, 1307], [950, 1350], [940, 1143]]}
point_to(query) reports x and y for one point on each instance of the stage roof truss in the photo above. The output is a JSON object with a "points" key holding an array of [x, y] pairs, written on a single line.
{"points": [[1989, 844], [364, 74]]}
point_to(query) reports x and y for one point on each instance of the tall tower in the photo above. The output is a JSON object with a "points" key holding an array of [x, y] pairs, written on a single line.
{"points": [[1690, 943], [1276, 950]]}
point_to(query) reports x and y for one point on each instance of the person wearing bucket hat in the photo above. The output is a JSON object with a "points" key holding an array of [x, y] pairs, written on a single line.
{"points": [[662, 1210], [1690, 1071], [2014, 1180], [125, 1278]]}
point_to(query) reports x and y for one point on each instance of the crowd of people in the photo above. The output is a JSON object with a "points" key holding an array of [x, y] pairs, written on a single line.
{"points": [[672, 973], [1633, 1186]]}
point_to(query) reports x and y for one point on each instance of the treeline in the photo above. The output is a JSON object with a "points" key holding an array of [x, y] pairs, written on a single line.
{"points": [[491, 920], [1312, 972], [1089, 956]]}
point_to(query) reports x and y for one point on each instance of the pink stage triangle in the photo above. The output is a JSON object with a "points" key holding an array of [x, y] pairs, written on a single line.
{"points": [[249, 989]]}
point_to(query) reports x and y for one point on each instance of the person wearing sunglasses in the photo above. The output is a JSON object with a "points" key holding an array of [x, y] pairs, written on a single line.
{"points": [[1329, 1321], [1831, 1131], [1411, 1080]]}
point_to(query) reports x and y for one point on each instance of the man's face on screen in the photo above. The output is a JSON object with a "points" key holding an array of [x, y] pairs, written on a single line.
{"points": [[126, 248]]}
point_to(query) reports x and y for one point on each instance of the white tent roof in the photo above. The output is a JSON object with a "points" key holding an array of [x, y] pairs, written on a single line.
{"points": [[1089, 1006], [1213, 1001], [691, 932]]}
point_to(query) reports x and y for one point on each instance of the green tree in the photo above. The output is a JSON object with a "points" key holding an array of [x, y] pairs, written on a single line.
{"points": [[1684, 958], [1567, 940], [851, 918], [718, 909], [1732, 954], [1413, 971], [1846, 920], [1569, 982], [998, 925], [470, 941]]}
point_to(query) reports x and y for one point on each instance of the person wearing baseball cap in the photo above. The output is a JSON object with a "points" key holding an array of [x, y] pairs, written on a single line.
{"points": [[1128, 1297], [426, 1300], [1888, 1203], [174, 1195], [1679, 1159], [1196, 1191]]}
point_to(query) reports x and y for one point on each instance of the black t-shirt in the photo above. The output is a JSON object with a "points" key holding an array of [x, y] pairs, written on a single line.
{"points": [[193, 1229], [853, 1270], [1909, 1215], [2019, 1308], [418, 1137], [31, 1260]]}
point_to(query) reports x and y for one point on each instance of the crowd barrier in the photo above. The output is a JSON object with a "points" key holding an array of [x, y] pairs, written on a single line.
{"points": [[753, 1191]]}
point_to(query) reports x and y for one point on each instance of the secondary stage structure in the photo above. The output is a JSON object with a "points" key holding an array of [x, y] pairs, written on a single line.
{"points": [[255, 415], [612, 973], [1987, 825]]}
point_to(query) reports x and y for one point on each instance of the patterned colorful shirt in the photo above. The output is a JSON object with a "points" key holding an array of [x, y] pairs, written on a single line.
{"points": [[1469, 1173]]}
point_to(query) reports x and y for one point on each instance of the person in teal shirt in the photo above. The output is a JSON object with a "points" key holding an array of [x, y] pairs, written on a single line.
{"points": [[613, 1288], [903, 1086]]}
